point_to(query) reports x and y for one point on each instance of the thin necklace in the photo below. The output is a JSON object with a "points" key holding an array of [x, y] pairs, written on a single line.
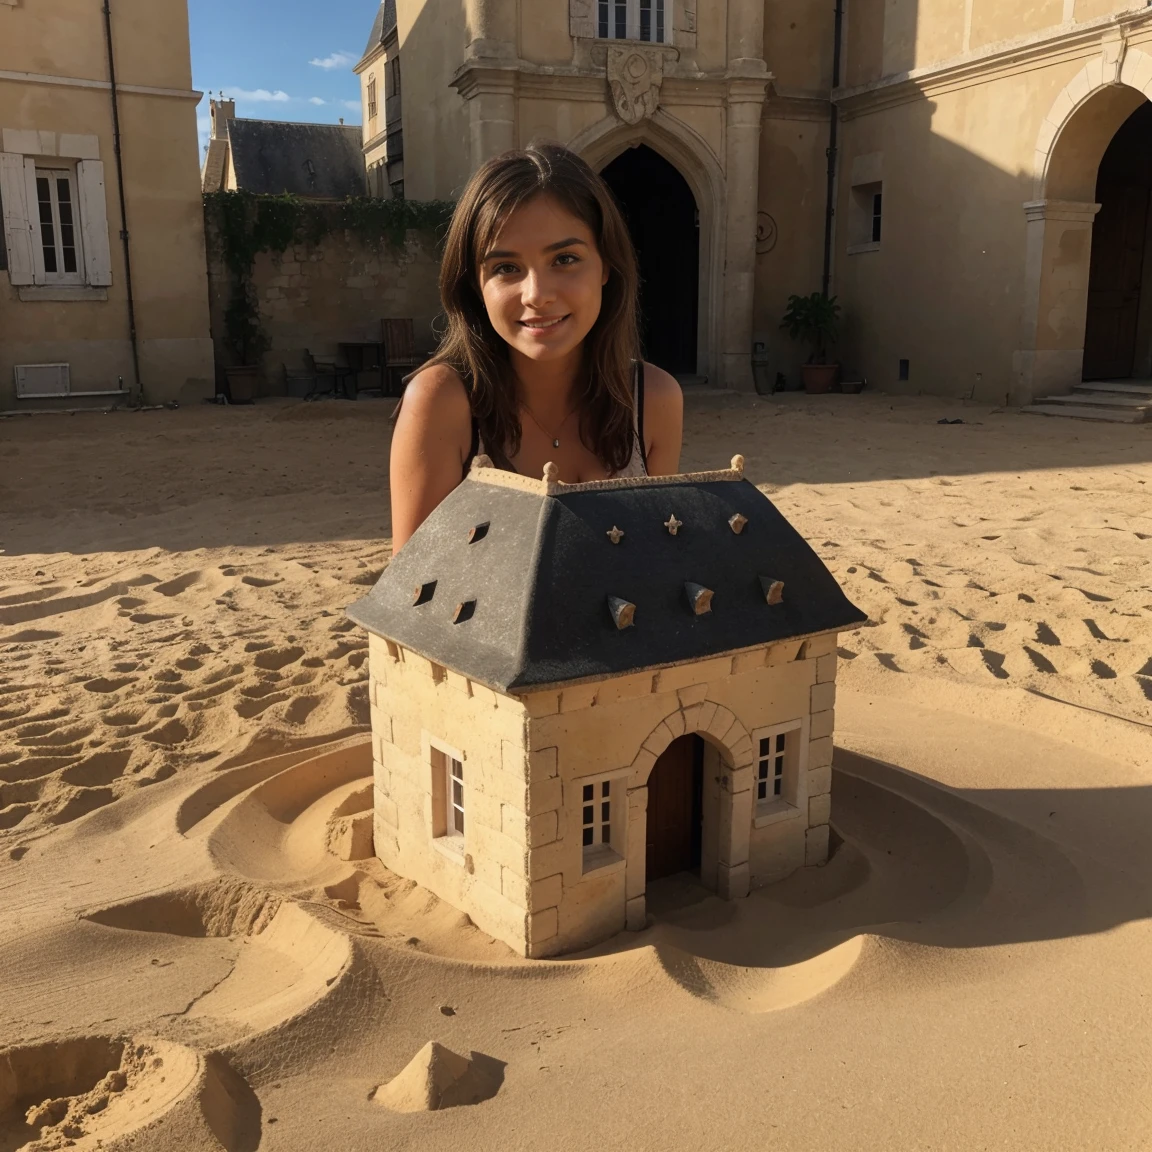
{"points": [[553, 436]]}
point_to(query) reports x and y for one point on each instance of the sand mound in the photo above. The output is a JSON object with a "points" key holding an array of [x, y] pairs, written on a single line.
{"points": [[436, 1077]]}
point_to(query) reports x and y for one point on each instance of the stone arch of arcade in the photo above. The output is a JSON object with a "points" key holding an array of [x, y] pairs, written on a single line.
{"points": [[1085, 314]]}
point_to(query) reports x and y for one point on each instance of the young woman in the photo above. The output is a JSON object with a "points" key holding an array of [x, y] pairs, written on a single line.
{"points": [[540, 359]]}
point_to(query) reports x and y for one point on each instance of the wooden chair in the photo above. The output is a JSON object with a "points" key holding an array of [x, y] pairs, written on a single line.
{"points": [[400, 355], [339, 374]]}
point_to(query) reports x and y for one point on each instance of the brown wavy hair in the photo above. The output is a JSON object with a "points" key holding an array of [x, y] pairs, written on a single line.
{"points": [[476, 351]]}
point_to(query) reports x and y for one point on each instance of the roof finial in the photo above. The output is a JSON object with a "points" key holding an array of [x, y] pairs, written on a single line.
{"points": [[481, 460], [738, 464], [551, 473]]}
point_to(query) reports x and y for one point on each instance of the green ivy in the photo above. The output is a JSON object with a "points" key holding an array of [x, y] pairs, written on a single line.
{"points": [[248, 224]]}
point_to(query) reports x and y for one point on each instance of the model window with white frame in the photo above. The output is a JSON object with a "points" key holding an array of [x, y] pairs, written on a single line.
{"points": [[777, 770], [600, 825], [449, 805], [646, 20]]}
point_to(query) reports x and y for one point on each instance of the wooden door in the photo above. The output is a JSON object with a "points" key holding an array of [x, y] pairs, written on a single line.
{"points": [[673, 843], [1117, 266]]}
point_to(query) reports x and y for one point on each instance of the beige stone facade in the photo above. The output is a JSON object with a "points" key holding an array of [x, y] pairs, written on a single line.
{"points": [[979, 125], [520, 869], [64, 280]]}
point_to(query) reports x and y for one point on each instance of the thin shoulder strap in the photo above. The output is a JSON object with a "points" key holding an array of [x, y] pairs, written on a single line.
{"points": [[638, 392], [474, 446]]}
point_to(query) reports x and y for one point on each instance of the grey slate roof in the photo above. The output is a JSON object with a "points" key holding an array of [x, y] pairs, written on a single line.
{"points": [[382, 26], [321, 161], [542, 573]]}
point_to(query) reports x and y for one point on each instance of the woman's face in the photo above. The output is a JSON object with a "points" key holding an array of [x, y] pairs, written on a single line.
{"points": [[542, 280]]}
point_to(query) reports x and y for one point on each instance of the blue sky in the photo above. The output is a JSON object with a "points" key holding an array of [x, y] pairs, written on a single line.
{"points": [[280, 59]]}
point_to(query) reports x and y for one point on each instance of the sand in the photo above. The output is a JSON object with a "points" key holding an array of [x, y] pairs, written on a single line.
{"points": [[183, 758]]}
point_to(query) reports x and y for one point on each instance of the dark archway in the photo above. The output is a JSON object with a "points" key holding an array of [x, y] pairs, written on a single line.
{"points": [[664, 222], [1118, 332]]}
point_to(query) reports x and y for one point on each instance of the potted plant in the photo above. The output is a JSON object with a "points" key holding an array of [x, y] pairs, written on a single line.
{"points": [[814, 320], [247, 343]]}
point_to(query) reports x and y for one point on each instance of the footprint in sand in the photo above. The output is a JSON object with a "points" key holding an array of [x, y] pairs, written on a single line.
{"points": [[1045, 635], [260, 581], [100, 768], [274, 659], [1041, 663], [180, 584], [31, 635], [80, 803], [173, 732], [103, 684]]}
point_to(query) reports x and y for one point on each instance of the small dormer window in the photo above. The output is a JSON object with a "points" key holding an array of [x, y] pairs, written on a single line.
{"points": [[645, 20]]}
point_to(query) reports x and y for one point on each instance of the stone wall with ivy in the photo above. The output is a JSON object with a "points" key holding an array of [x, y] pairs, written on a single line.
{"points": [[287, 274]]}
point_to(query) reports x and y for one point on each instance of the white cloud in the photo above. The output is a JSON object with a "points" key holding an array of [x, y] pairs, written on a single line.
{"points": [[334, 61], [353, 104], [317, 101], [257, 96]]}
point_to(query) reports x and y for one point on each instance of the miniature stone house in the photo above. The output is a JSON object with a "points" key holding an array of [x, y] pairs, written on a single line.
{"points": [[578, 689]]}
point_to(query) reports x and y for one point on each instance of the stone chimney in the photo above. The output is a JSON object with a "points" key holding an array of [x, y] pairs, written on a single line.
{"points": [[222, 111]]}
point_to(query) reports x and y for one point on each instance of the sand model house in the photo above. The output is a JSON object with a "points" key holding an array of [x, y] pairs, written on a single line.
{"points": [[578, 689]]}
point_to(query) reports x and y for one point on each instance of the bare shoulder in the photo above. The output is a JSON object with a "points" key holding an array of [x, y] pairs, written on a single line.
{"points": [[663, 421], [661, 388], [436, 392]]}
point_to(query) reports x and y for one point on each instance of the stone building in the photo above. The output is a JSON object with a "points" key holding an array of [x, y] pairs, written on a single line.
{"points": [[579, 689], [103, 285], [986, 216]]}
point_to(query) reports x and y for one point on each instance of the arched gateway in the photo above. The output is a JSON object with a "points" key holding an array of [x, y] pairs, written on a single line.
{"points": [[1088, 307]]}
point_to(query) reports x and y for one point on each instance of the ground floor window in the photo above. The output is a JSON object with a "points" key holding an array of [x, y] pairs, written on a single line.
{"points": [[777, 771], [59, 225], [449, 796], [601, 821]]}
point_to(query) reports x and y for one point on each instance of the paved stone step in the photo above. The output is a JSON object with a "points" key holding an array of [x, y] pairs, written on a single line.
{"points": [[1099, 400], [1084, 412], [1140, 387]]}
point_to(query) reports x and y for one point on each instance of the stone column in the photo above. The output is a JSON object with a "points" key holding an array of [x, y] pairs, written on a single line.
{"points": [[635, 867], [487, 78], [1058, 250], [742, 180], [491, 29], [745, 36]]}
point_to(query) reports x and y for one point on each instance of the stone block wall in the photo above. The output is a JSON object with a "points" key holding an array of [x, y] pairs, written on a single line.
{"points": [[520, 872], [415, 702], [314, 296]]}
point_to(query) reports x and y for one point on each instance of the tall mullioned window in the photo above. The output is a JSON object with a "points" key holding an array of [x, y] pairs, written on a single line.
{"points": [[59, 228], [770, 767], [645, 20]]}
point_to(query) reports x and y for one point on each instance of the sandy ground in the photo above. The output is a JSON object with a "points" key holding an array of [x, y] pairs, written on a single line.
{"points": [[183, 720]]}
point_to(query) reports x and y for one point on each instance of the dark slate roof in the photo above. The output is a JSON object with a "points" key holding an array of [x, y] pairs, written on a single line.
{"points": [[322, 161], [382, 27], [542, 574]]}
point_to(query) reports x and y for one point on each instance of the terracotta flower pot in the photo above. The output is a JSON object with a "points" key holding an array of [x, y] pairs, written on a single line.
{"points": [[819, 377]]}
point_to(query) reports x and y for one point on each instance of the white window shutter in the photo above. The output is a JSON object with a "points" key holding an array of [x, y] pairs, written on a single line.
{"points": [[19, 234], [33, 204], [94, 222]]}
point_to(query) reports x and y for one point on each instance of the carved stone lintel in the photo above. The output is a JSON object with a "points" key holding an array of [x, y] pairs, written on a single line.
{"points": [[634, 77]]}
